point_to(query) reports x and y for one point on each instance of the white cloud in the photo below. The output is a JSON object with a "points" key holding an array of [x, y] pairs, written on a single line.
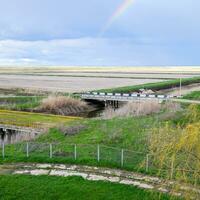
{"points": [[93, 51]]}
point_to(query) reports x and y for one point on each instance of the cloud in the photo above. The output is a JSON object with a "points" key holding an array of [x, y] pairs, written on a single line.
{"points": [[98, 51]]}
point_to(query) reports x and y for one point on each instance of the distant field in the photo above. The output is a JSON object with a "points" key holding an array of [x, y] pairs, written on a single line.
{"points": [[67, 84], [80, 79]]}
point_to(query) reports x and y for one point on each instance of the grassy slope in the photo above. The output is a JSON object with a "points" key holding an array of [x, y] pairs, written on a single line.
{"points": [[154, 86], [20, 102], [72, 188], [28, 118], [124, 132], [193, 95], [128, 133]]}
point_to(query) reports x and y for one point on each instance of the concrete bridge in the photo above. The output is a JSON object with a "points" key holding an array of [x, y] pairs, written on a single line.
{"points": [[114, 98], [11, 134]]}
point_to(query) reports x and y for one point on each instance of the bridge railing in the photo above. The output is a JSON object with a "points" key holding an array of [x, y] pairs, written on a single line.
{"points": [[127, 95]]}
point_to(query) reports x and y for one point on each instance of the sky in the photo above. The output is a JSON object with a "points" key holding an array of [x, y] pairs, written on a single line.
{"points": [[99, 32]]}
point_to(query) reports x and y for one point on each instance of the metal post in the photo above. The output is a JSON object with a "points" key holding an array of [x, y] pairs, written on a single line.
{"points": [[122, 157], [50, 151], [75, 153], [27, 150], [180, 86], [3, 150], [98, 153], [147, 162]]}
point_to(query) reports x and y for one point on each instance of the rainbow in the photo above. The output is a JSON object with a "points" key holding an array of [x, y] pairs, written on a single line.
{"points": [[118, 12]]}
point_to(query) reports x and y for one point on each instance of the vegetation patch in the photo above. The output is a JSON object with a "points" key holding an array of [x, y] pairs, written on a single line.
{"points": [[193, 95], [71, 130], [62, 105], [176, 151], [154, 86], [29, 119], [21, 103]]}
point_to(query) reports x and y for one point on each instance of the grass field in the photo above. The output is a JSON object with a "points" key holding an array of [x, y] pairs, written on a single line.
{"points": [[72, 188]]}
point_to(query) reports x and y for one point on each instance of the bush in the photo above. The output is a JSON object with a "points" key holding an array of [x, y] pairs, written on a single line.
{"points": [[71, 130], [62, 105]]}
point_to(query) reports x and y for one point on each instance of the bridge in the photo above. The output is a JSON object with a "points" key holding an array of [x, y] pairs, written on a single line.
{"points": [[12, 134], [115, 98], [101, 96]]}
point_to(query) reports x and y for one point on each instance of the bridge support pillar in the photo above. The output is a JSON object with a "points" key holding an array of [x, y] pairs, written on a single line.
{"points": [[111, 103]]}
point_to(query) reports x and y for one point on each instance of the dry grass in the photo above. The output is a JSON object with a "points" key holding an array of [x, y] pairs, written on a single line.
{"points": [[170, 106], [141, 108], [71, 130], [62, 105]]}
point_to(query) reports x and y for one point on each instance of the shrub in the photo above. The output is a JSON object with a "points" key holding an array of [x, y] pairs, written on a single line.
{"points": [[171, 106], [71, 130], [176, 151], [62, 105]]}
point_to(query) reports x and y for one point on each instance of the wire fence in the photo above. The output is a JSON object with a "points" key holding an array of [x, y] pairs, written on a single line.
{"points": [[77, 152], [90, 153]]}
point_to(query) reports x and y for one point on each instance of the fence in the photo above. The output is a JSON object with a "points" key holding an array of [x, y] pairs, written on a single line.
{"points": [[88, 154], [77, 152]]}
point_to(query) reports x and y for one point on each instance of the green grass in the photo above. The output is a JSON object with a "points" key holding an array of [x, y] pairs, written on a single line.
{"points": [[132, 135], [193, 95], [127, 132], [21, 92], [21, 103], [29, 118], [154, 86], [72, 188]]}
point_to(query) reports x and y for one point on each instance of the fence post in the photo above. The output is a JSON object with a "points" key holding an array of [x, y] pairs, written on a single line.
{"points": [[172, 169], [50, 150], [122, 157], [3, 150], [27, 150], [75, 153], [147, 162], [98, 153]]}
